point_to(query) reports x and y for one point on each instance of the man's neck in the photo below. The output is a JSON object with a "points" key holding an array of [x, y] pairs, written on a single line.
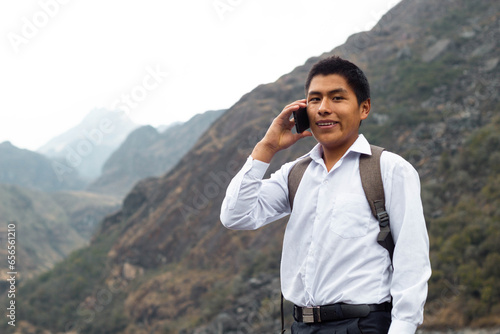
{"points": [[331, 158], [333, 155]]}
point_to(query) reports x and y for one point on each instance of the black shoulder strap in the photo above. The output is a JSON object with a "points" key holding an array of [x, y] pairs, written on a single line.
{"points": [[295, 176], [371, 180]]}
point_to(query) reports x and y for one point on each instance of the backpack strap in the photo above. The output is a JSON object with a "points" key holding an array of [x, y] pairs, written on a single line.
{"points": [[371, 180], [295, 176]]}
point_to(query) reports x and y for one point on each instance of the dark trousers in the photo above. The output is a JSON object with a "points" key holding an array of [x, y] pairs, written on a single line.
{"points": [[374, 323]]}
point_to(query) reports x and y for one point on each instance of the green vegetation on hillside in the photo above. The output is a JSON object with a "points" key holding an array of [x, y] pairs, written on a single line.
{"points": [[465, 238]]}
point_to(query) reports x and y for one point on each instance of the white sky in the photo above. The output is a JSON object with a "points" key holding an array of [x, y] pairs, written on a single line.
{"points": [[62, 58]]}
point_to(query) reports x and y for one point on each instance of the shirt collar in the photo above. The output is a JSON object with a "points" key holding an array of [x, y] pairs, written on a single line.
{"points": [[361, 146]]}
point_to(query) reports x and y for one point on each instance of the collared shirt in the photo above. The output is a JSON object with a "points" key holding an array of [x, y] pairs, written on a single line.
{"points": [[330, 249]]}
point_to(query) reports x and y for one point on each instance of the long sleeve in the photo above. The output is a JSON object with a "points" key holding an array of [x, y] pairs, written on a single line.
{"points": [[251, 202], [411, 255]]}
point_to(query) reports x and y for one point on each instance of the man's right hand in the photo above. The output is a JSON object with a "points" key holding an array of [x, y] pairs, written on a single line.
{"points": [[279, 136]]}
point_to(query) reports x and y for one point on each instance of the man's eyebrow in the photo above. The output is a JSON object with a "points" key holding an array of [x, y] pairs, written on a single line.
{"points": [[334, 91]]}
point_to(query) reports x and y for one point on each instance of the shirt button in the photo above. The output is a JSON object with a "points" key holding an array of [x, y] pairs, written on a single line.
{"points": [[325, 182]]}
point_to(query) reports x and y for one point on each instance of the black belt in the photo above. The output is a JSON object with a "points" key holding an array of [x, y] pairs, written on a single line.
{"points": [[335, 312]]}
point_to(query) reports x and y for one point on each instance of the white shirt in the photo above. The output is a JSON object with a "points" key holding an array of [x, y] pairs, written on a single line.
{"points": [[330, 249]]}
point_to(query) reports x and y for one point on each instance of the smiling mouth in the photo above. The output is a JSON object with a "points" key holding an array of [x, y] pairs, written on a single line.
{"points": [[326, 124]]}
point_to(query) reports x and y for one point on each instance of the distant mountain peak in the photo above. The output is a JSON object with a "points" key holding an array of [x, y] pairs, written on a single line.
{"points": [[86, 146], [7, 144]]}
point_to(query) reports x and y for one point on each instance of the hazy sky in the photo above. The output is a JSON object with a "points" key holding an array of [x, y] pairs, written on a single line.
{"points": [[160, 61]]}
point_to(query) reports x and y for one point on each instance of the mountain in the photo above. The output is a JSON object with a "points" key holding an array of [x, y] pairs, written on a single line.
{"points": [[86, 146], [147, 152], [48, 225], [32, 170], [163, 128], [164, 263]]}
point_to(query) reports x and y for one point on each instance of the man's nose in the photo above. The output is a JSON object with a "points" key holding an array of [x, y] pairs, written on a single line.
{"points": [[324, 107]]}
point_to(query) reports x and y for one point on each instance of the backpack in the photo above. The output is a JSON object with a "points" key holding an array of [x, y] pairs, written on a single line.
{"points": [[371, 180]]}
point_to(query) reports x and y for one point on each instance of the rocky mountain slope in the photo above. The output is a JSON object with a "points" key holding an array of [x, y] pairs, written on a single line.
{"points": [[164, 263], [147, 152], [49, 226]]}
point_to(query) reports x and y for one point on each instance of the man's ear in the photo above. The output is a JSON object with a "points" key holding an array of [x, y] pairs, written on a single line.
{"points": [[364, 108]]}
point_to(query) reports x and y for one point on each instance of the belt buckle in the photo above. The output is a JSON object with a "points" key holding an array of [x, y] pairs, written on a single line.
{"points": [[308, 314]]}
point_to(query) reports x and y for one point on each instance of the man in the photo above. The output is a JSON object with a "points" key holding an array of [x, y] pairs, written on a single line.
{"points": [[331, 258]]}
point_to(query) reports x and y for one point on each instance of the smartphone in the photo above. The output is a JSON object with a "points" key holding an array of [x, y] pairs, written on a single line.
{"points": [[301, 120]]}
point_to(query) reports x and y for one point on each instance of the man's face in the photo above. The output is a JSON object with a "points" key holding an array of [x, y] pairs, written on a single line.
{"points": [[334, 112]]}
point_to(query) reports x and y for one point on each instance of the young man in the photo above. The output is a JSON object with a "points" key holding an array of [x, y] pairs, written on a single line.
{"points": [[332, 265]]}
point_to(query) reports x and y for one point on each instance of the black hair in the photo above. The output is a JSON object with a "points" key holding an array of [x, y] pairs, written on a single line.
{"points": [[355, 78]]}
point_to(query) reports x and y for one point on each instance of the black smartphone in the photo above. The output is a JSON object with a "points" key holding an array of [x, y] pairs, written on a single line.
{"points": [[301, 120]]}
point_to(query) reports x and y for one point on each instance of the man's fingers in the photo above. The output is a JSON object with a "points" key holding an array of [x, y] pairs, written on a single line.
{"points": [[303, 135], [289, 109], [306, 134]]}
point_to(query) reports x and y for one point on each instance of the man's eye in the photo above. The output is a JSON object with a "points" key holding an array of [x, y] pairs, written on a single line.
{"points": [[337, 98]]}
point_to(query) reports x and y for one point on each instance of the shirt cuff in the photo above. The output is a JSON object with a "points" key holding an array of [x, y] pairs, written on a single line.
{"points": [[258, 168], [402, 327]]}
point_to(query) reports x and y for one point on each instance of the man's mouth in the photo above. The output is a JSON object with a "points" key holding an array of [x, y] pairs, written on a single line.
{"points": [[326, 124]]}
